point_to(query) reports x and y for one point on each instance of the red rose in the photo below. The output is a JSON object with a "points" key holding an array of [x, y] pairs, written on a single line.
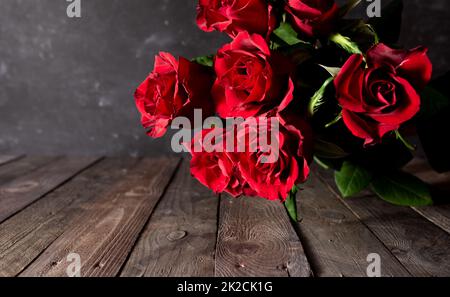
{"points": [[234, 16], [174, 88], [272, 176], [313, 17], [250, 81], [378, 97], [254, 166], [217, 170]]}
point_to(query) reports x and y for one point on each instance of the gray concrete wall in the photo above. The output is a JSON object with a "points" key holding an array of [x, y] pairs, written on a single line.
{"points": [[66, 84]]}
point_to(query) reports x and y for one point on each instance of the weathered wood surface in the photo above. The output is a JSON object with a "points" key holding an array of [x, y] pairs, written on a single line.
{"points": [[337, 241], [8, 158], [23, 166], [256, 237], [149, 217], [105, 233], [181, 236], [438, 214], [25, 189], [422, 247], [27, 234]]}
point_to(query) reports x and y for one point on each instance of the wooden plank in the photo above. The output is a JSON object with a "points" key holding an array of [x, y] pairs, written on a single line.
{"points": [[8, 158], [23, 166], [440, 182], [26, 189], [256, 238], [336, 241], [439, 215], [25, 235], [105, 233], [181, 235], [423, 170], [422, 247]]}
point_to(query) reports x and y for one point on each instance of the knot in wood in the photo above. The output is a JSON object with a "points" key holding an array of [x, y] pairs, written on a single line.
{"points": [[176, 235]]}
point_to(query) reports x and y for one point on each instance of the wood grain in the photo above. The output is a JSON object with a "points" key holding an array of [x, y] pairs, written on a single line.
{"points": [[23, 166], [422, 247], [26, 189], [181, 235], [438, 215], [8, 158], [256, 238], [337, 243], [25, 235], [106, 232], [440, 182]]}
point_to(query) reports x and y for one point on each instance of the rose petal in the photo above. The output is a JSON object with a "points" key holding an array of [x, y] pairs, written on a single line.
{"points": [[417, 68], [404, 110], [349, 83], [413, 64], [371, 131]]}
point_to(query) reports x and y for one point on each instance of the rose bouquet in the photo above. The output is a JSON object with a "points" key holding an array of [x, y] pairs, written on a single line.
{"points": [[326, 88]]}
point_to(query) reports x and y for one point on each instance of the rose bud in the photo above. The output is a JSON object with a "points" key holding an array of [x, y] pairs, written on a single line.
{"points": [[250, 79], [383, 93], [234, 16], [174, 88], [312, 17]]}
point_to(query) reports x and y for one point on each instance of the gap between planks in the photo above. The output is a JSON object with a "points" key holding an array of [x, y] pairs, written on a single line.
{"points": [[28, 233], [327, 218], [336, 241], [5, 159], [179, 239], [256, 238], [26, 189], [23, 166], [440, 182], [421, 247], [105, 232]]}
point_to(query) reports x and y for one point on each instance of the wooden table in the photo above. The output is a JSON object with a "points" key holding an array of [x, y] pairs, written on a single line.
{"points": [[149, 217]]}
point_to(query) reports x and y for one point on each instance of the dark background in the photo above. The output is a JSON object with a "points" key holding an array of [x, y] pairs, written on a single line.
{"points": [[66, 85]]}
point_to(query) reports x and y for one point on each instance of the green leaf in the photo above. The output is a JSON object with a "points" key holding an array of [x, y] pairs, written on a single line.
{"points": [[205, 60], [371, 29], [352, 179], [334, 164], [291, 204], [328, 150], [346, 43], [388, 26], [322, 163], [402, 189], [287, 34], [333, 71], [318, 98], [298, 53], [359, 32], [432, 102]]}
